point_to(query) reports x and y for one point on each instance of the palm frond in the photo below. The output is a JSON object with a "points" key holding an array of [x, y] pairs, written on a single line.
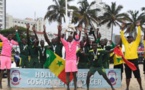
{"points": [[118, 9], [143, 8]]}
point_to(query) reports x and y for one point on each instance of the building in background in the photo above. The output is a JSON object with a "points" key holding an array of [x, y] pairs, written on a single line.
{"points": [[2, 14], [11, 22], [103, 29], [39, 22]]}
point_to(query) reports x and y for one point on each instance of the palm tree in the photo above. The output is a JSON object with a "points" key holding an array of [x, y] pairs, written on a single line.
{"points": [[143, 8], [132, 18], [112, 16], [56, 12], [85, 15], [143, 20]]}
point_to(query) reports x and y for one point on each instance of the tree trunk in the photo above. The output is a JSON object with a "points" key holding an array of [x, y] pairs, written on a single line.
{"points": [[111, 32]]}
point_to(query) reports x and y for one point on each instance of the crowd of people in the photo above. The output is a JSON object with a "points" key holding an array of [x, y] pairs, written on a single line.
{"points": [[79, 53]]}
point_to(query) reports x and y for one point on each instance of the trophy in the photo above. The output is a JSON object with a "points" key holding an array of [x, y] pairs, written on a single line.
{"points": [[71, 27]]}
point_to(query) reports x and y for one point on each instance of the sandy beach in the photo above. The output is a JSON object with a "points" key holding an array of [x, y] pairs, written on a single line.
{"points": [[133, 84]]}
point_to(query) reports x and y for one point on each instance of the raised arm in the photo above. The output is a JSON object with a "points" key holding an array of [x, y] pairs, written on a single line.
{"points": [[138, 37], [124, 41], [59, 33], [36, 37], [75, 36], [87, 38], [28, 36], [2, 37], [80, 30], [98, 36], [34, 30], [91, 30], [17, 34], [45, 36], [64, 42]]}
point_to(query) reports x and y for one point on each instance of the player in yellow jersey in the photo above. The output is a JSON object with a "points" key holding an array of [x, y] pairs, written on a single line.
{"points": [[117, 60], [131, 54]]}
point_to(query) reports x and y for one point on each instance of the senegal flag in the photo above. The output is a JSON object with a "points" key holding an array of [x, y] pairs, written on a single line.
{"points": [[56, 65]]}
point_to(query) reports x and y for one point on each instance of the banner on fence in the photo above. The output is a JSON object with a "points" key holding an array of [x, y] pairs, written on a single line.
{"points": [[43, 78]]}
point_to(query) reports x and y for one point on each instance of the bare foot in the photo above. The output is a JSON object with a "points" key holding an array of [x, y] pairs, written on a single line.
{"points": [[127, 89], [68, 88], [141, 88], [9, 86], [0, 86]]}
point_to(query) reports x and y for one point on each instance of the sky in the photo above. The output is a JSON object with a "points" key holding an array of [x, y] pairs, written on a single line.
{"points": [[38, 8]]}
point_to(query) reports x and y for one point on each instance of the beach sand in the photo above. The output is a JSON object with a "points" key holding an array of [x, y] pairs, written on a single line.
{"points": [[133, 84]]}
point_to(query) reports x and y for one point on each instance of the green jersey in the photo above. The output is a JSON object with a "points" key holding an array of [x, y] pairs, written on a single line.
{"points": [[42, 55], [98, 58], [57, 49]]}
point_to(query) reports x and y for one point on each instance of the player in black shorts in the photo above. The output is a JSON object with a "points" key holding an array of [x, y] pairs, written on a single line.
{"points": [[131, 54]]}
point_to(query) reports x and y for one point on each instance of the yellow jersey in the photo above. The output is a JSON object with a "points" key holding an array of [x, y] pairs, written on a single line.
{"points": [[131, 48]]}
